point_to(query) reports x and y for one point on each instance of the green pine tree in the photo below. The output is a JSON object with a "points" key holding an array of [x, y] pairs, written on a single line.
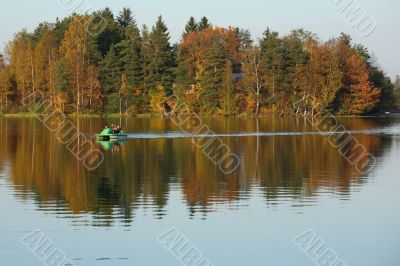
{"points": [[184, 87], [183, 79], [204, 24], [295, 56], [212, 79], [272, 63], [228, 102], [110, 72], [62, 76], [125, 19], [158, 58], [60, 27], [111, 34], [191, 26], [396, 93], [129, 53]]}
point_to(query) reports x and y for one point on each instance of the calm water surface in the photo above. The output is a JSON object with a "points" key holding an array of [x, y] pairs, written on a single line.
{"points": [[290, 179]]}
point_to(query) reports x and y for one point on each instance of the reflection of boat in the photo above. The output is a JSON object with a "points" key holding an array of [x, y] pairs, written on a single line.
{"points": [[107, 134], [110, 144]]}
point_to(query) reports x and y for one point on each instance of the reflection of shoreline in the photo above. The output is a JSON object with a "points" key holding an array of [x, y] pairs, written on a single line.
{"points": [[283, 167]]}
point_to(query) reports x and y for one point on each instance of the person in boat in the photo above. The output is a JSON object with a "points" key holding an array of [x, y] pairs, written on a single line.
{"points": [[113, 127], [118, 129]]}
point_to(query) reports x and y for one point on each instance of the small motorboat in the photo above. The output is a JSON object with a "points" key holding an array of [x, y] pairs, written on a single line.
{"points": [[109, 135]]}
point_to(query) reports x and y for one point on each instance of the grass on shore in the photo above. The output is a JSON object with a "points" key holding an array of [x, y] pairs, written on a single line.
{"points": [[150, 115], [19, 115], [117, 115]]}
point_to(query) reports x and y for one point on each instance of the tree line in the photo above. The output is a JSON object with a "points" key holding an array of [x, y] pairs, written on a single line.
{"points": [[212, 70]]}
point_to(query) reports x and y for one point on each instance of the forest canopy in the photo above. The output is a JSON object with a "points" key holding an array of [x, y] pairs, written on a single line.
{"points": [[212, 70]]}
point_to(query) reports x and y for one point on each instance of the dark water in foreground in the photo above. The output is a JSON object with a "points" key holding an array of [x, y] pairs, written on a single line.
{"points": [[291, 179]]}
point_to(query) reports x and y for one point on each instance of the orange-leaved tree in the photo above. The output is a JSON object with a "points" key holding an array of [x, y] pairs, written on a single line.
{"points": [[358, 95]]}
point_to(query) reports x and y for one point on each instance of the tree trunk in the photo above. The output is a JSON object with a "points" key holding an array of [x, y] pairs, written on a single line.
{"points": [[258, 105], [126, 107], [33, 78], [120, 104], [78, 88]]}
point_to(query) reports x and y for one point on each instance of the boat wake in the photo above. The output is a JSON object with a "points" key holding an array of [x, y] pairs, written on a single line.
{"points": [[183, 135]]}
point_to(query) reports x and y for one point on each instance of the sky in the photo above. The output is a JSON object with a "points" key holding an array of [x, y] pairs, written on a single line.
{"points": [[323, 17]]}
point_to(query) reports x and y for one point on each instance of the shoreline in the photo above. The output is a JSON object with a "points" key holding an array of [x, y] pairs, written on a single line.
{"points": [[149, 115]]}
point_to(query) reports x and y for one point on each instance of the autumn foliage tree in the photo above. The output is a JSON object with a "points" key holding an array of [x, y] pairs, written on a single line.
{"points": [[212, 70], [46, 56], [318, 81], [92, 94], [357, 95], [252, 76], [21, 63], [207, 54], [77, 48], [5, 86]]}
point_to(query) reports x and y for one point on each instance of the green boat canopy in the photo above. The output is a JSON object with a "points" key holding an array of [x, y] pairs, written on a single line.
{"points": [[107, 131]]}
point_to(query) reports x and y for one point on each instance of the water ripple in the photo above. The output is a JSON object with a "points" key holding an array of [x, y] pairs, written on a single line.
{"points": [[176, 135]]}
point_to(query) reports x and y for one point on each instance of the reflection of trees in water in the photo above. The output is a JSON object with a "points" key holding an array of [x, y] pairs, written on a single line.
{"points": [[140, 172]]}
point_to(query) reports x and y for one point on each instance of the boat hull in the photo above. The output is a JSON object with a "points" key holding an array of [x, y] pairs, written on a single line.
{"points": [[112, 137]]}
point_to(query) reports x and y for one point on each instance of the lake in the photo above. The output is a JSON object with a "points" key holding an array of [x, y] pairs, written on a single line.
{"points": [[159, 195]]}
